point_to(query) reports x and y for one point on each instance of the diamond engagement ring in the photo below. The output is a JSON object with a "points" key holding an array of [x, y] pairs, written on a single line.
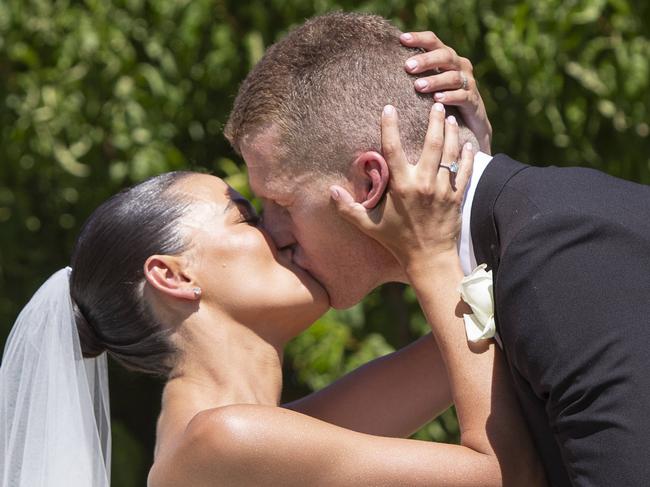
{"points": [[463, 79], [452, 167]]}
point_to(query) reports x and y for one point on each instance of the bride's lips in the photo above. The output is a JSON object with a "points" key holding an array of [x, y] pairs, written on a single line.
{"points": [[287, 254], [305, 270]]}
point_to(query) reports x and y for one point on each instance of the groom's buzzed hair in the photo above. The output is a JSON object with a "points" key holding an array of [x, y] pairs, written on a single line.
{"points": [[323, 87]]}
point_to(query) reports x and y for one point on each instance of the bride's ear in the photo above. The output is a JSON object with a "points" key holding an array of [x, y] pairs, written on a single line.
{"points": [[369, 177], [165, 274]]}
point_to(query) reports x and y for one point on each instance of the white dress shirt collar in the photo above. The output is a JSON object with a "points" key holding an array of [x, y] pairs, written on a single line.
{"points": [[465, 246]]}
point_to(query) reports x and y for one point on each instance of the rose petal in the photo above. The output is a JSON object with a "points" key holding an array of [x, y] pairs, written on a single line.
{"points": [[476, 291], [476, 330], [478, 295]]}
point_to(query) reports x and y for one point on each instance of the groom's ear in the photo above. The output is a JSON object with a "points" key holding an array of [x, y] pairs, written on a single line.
{"points": [[369, 177], [165, 273]]}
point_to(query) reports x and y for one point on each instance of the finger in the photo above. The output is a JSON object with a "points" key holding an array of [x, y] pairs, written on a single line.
{"points": [[444, 59], [469, 105], [471, 109], [466, 168], [425, 40], [433, 143], [349, 209], [450, 153], [445, 81], [457, 97], [391, 145]]}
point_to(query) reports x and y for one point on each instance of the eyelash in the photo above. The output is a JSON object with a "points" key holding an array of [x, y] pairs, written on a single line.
{"points": [[251, 219]]}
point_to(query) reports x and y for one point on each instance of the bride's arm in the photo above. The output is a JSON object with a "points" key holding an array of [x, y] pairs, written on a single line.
{"points": [[419, 221], [393, 395], [251, 445]]}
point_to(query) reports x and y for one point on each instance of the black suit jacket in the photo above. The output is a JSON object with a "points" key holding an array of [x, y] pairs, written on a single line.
{"points": [[570, 254]]}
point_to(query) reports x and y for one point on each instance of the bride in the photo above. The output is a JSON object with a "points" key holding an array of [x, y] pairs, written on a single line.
{"points": [[178, 277]]}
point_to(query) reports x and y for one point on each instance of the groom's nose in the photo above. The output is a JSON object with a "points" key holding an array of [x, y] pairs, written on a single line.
{"points": [[277, 223]]}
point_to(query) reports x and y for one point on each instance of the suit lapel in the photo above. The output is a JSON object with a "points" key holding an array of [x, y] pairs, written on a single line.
{"points": [[485, 236]]}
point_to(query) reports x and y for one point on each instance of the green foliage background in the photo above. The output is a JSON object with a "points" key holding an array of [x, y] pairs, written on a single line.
{"points": [[99, 94]]}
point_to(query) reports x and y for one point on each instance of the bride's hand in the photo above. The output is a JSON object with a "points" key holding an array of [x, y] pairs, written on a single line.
{"points": [[419, 218], [453, 83]]}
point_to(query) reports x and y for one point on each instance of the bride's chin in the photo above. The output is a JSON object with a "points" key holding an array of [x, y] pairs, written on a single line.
{"points": [[303, 301], [314, 309], [317, 291], [301, 317]]}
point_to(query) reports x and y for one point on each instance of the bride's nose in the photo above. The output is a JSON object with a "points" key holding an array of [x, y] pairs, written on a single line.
{"points": [[278, 225]]}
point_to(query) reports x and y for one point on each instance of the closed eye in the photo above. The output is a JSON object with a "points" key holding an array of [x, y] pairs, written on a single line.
{"points": [[246, 211], [252, 219]]}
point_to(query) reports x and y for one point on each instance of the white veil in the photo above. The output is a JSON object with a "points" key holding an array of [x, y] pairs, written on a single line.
{"points": [[55, 428]]}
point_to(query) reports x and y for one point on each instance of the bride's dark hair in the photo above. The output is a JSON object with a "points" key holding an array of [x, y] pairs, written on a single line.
{"points": [[107, 280]]}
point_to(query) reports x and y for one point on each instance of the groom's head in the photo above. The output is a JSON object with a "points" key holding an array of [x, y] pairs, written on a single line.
{"points": [[307, 116]]}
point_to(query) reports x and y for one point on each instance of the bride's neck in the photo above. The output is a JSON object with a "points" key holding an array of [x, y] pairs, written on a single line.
{"points": [[224, 362]]}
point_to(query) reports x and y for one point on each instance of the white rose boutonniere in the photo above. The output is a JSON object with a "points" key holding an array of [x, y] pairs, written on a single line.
{"points": [[476, 291]]}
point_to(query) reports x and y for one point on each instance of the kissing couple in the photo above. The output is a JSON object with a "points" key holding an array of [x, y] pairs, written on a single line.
{"points": [[365, 178]]}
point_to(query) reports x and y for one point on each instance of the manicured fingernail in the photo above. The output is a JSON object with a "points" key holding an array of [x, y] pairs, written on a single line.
{"points": [[421, 83], [451, 119], [411, 64], [389, 110], [469, 146], [439, 107], [439, 96], [406, 37], [335, 193]]}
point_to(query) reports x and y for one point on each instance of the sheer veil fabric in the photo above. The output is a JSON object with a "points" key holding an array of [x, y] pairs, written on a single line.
{"points": [[55, 428]]}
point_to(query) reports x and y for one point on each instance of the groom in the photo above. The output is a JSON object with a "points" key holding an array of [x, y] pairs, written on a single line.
{"points": [[569, 248]]}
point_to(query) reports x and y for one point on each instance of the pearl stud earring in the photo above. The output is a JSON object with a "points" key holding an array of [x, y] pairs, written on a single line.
{"points": [[197, 292]]}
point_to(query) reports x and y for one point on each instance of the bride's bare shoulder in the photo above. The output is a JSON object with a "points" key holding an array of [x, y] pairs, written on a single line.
{"points": [[227, 430], [220, 445], [235, 425]]}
